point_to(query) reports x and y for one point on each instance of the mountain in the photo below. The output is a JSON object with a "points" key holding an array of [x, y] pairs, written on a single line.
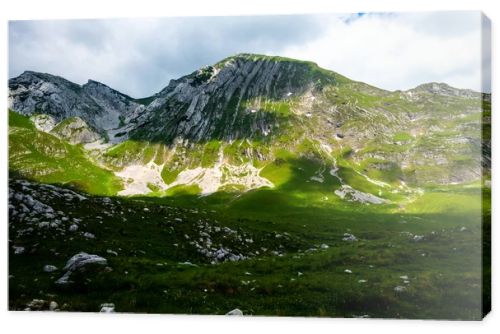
{"points": [[252, 121]]}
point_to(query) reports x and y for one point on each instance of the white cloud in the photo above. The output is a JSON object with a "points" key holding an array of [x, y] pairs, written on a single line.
{"points": [[140, 56], [399, 51]]}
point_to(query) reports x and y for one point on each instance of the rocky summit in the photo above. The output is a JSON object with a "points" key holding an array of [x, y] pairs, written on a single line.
{"points": [[260, 184]]}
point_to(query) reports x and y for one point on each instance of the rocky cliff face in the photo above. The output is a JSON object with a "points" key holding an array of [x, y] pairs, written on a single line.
{"points": [[225, 101], [101, 107]]}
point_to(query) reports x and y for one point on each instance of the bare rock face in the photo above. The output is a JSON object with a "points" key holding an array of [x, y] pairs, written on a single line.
{"points": [[39, 93], [96, 104], [210, 103], [120, 108], [43, 122], [76, 131]]}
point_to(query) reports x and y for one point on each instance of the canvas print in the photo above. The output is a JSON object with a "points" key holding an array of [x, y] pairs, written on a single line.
{"points": [[333, 165]]}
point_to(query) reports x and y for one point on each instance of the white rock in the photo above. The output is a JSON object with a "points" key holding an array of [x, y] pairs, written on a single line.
{"points": [[53, 306], [400, 288], [112, 252], [18, 249], [48, 268], [107, 308], [73, 228], [79, 261], [348, 271], [349, 237], [418, 238], [236, 311], [89, 235]]}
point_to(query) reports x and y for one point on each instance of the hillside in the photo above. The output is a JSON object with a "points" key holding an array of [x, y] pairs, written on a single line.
{"points": [[237, 124], [261, 183]]}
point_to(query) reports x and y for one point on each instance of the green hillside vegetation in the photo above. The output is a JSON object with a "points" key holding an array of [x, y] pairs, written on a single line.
{"points": [[38, 155]]}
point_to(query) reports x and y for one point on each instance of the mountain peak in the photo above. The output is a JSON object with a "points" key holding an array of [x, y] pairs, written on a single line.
{"points": [[441, 88]]}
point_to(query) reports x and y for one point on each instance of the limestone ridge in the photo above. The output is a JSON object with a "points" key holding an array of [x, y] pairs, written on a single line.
{"points": [[211, 103], [101, 107]]}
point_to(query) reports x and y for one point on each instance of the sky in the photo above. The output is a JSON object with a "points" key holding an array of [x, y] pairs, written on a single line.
{"points": [[140, 56]]}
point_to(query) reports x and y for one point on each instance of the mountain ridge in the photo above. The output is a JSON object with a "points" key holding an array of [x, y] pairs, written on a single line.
{"points": [[253, 110]]}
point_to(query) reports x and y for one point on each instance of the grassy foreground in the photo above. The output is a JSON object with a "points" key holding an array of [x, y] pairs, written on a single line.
{"points": [[420, 262]]}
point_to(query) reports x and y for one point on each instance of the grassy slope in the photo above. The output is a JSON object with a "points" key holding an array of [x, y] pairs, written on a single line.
{"points": [[443, 268], [46, 158]]}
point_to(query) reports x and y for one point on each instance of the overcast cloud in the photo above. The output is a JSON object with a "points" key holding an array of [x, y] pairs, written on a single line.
{"points": [[139, 56]]}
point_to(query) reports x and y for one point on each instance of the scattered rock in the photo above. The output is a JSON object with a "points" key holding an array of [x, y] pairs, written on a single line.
{"points": [[418, 238], [107, 308], [53, 306], [400, 288], [48, 268], [112, 252], [80, 262], [89, 235], [37, 305], [236, 311], [349, 237]]}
